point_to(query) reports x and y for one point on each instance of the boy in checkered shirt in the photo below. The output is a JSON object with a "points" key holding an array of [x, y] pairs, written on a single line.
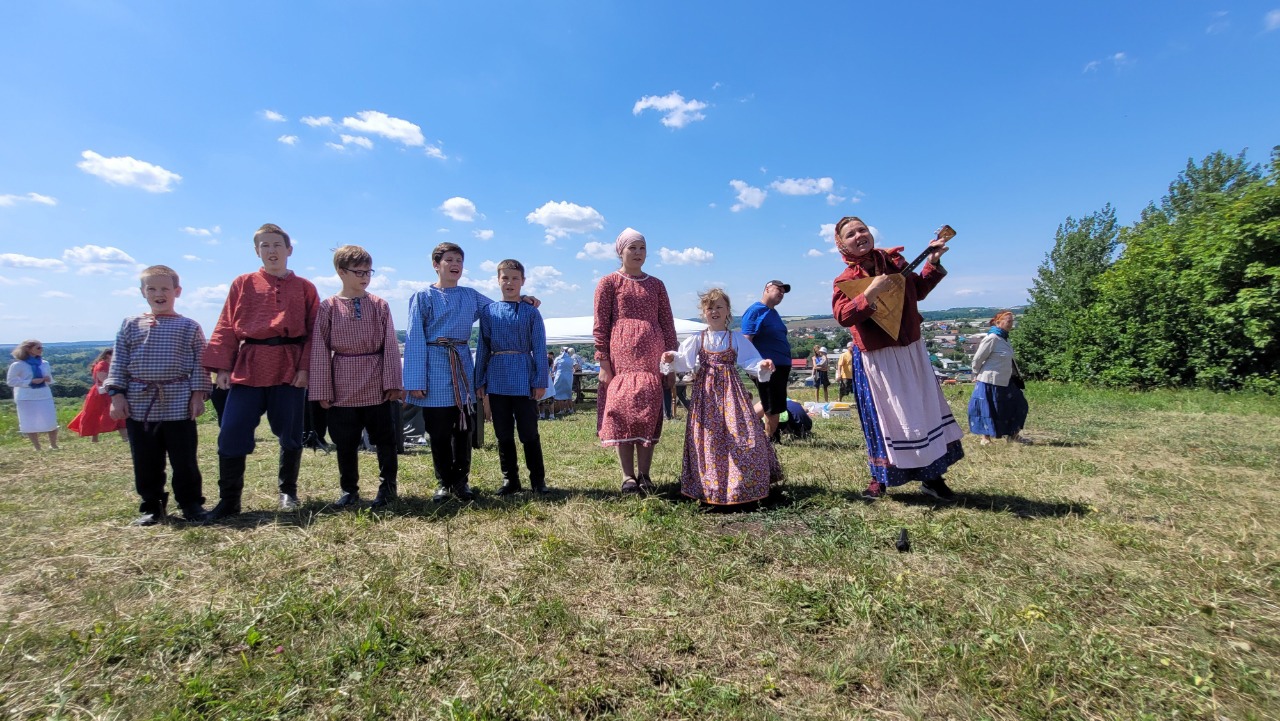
{"points": [[355, 375], [158, 384], [511, 369]]}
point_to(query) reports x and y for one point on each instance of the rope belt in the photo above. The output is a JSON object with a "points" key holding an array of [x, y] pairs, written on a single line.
{"points": [[458, 374], [156, 388]]}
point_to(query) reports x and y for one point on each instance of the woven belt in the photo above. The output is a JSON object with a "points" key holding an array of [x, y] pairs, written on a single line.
{"points": [[458, 374], [156, 388], [509, 352]]}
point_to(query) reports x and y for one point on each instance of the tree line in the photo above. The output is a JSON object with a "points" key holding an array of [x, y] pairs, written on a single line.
{"points": [[1189, 295]]}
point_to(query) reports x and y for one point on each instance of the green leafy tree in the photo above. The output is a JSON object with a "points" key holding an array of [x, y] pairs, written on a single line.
{"points": [[1064, 287]]}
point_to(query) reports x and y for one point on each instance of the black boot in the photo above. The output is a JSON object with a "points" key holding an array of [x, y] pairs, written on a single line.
{"points": [[230, 487], [290, 462], [388, 472], [153, 512]]}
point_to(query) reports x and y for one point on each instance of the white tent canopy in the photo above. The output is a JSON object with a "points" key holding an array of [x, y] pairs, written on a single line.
{"points": [[577, 330]]}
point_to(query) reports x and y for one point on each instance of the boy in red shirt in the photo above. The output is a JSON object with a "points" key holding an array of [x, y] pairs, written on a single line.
{"points": [[260, 351], [355, 374]]}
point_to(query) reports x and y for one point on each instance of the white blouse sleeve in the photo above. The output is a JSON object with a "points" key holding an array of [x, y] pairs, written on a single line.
{"points": [[686, 356], [19, 375], [749, 358]]}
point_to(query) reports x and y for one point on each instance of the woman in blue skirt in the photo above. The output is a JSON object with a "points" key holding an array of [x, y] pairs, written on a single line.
{"points": [[997, 407]]}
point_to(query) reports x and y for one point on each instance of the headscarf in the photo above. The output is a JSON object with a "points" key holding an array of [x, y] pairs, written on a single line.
{"points": [[876, 261], [625, 238]]}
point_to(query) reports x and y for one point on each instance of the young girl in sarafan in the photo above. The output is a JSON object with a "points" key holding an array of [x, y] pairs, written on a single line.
{"points": [[95, 417], [728, 460]]}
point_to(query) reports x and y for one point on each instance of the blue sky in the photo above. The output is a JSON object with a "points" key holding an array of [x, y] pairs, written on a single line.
{"points": [[136, 133]]}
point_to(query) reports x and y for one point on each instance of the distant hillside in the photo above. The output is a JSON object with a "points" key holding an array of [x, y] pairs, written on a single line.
{"points": [[970, 313]]}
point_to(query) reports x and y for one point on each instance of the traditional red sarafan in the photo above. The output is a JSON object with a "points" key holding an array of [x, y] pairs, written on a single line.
{"points": [[633, 327]]}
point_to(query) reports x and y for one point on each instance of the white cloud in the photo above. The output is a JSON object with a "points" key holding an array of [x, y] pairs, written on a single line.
{"points": [[442, 230], [546, 279], [459, 208], [748, 196], [273, 116], [487, 284], [483, 234], [288, 139], [55, 294], [16, 260], [324, 121], [1120, 59], [488, 266], [376, 123], [814, 253], [1219, 24], [597, 251], [99, 260], [193, 258], [678, 112], [1092, 66], [8, 201], [965, 292], [386, 269], [130, 292], [803, 186], [125, 170], [209, 295], [434, 151], [833, 199], [562, 218], [203, 232], [360, 140], [1271, 21], [827, 232], [688, 256], [18, 281], [335, 146]]}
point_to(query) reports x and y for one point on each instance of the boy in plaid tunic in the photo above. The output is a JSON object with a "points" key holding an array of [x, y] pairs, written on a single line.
{"points": [[511, 369], [158, 384], [355, 374], [260, 351]]}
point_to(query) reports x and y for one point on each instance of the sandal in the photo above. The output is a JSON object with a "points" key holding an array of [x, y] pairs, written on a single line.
{"points": [[646, 485], [629, 485]]}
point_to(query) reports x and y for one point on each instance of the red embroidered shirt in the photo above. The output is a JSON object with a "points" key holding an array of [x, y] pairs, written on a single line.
{"points": [[855, 313], [261, 306]]}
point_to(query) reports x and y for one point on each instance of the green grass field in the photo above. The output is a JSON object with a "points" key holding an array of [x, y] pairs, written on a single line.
{"points": [[1125, 567]]}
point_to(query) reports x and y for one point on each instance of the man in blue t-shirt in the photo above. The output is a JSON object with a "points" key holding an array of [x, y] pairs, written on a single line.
{"points": [[762, 325]]}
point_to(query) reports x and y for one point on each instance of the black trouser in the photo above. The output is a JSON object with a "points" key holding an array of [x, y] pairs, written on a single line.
{"points": [[512, 414], [345, 427], [450, 444], [149, 443]]}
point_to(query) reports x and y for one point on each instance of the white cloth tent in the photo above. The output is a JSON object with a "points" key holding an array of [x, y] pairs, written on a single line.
{"points": [[577, 330]]}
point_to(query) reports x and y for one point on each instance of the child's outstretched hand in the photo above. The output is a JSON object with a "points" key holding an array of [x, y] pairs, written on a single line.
{"points": [[119, 408], [669, 357], [766, 365]]}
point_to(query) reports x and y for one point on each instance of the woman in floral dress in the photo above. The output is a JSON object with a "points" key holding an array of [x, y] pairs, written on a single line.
{"points": [[634, 329]]}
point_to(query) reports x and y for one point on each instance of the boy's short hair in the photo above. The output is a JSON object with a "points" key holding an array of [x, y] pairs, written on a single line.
{"points": [[272, 228], [23, 351], [443, 248], [706, 299], [511, 265], [351, 255], [158, 270]]}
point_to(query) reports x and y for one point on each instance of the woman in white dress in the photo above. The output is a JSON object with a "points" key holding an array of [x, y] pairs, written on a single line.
{"points": [[31, 381]]}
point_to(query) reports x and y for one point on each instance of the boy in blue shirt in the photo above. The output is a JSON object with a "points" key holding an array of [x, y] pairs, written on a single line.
{"points": [[511, 369]]}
